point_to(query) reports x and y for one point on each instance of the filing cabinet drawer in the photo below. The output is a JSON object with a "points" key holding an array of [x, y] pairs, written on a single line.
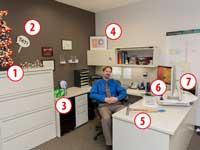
{"points": [[31, 139], [19, 125], [25, 104], [30, 81]]}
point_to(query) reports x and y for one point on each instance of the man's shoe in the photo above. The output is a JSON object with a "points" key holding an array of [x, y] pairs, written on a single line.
{"points": [[108, 147]]}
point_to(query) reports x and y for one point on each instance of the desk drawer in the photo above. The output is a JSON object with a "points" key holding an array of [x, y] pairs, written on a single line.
{"points": [[25, 104], [19, 125], [81, 100], [81, 118], [80, 109]]}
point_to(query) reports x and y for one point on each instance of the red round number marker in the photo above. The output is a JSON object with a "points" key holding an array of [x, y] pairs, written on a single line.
{"points": [[142, 120], [188, 81], [158, 87], [15, 73], [63, 105], [32, 27], [113, 31]]}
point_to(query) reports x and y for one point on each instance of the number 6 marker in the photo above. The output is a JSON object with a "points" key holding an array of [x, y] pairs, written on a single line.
{"points": [[63, 105], [158, 87], [188, 81]]}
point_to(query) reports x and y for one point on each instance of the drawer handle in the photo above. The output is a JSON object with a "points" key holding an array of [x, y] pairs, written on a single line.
{"points": [[110, 58]]}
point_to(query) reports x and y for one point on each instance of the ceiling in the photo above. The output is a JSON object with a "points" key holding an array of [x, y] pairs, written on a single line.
{"points": [[97, 5]]}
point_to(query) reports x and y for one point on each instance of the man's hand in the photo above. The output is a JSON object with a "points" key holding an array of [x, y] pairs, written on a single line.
{"points": [[113, 99], [108, 100]]}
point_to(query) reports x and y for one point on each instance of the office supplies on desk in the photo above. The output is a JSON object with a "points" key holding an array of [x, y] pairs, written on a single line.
{"points": [[134, 85], [150, 110], [174, 102]]}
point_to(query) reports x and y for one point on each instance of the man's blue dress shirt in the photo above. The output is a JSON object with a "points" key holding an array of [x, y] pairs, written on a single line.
{"points": [[98, 91]]}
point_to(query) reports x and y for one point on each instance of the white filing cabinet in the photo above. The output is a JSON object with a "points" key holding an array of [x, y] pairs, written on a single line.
{"points": [[27, 114], [81, 104], [101, 57]]}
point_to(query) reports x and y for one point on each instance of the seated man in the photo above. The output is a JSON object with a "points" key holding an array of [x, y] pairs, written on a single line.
{"points": [[108, 93]]}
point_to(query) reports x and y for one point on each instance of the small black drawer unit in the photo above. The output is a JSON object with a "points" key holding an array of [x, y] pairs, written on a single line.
{"points": [[81, 77]]}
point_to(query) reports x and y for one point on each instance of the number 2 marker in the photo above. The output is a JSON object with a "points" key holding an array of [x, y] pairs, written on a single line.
{"points": [[32, 27]]}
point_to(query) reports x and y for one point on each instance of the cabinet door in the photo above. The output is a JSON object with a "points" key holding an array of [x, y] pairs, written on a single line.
{"points": [[101, 57], [68, 121]]}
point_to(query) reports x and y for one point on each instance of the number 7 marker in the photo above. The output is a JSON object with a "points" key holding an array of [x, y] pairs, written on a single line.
{"points": [[188, 81]]}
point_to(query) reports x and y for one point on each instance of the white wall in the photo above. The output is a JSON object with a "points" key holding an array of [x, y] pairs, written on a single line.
{"points": [[145, 23]]}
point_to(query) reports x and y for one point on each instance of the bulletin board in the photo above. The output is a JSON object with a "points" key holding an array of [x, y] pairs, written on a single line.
{"points": [[183, 51]]}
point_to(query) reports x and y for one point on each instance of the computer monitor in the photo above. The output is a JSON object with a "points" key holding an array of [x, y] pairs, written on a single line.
{"points": [[168, 75], [165, 73]]}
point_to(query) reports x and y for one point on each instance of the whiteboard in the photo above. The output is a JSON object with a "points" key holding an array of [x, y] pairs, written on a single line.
{"points": [[183, 51]]}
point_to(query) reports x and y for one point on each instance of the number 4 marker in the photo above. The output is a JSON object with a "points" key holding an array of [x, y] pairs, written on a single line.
{"points": [[113, 31]]}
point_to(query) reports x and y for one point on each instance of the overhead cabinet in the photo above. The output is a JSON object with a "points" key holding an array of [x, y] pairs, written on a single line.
{"points": [[101, 57], [127, 57]]}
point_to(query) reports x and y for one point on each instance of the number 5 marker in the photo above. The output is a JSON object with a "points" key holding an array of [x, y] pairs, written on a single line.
{"points": [[142, 120]]}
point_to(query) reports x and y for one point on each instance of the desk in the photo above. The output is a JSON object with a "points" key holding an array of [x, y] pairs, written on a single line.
{"points": [[80, 110], [171, 130]]}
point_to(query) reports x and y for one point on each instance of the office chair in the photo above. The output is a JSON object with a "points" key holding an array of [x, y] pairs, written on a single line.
{"points": [[98, 127]]}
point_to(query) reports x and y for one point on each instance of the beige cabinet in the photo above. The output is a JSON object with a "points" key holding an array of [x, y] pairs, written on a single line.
{"points": [[101, 57]]}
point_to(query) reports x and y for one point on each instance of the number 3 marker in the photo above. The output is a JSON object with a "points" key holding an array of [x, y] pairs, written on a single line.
{"points": [[188, 81], [63, 105], [15, 73], [158, 87], [113, 31], [32, 27]]}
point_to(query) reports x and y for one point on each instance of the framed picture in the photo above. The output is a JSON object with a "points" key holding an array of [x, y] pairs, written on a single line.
{"points": [[98, 43], [47, 52], [49, 64], [66, 45]]}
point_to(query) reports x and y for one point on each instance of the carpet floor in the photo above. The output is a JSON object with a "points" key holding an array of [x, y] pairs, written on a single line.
{"points": [[82, 139]]}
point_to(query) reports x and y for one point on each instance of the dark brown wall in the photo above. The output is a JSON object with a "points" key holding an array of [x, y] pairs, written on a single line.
{"points": [[58, 22]]}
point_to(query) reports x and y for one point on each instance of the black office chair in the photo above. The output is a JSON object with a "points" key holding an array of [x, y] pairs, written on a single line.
{"points": [[98, 127]]}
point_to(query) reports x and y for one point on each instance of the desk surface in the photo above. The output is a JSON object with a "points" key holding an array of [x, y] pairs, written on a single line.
{"points": [[166, 122], [75, 91]]}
